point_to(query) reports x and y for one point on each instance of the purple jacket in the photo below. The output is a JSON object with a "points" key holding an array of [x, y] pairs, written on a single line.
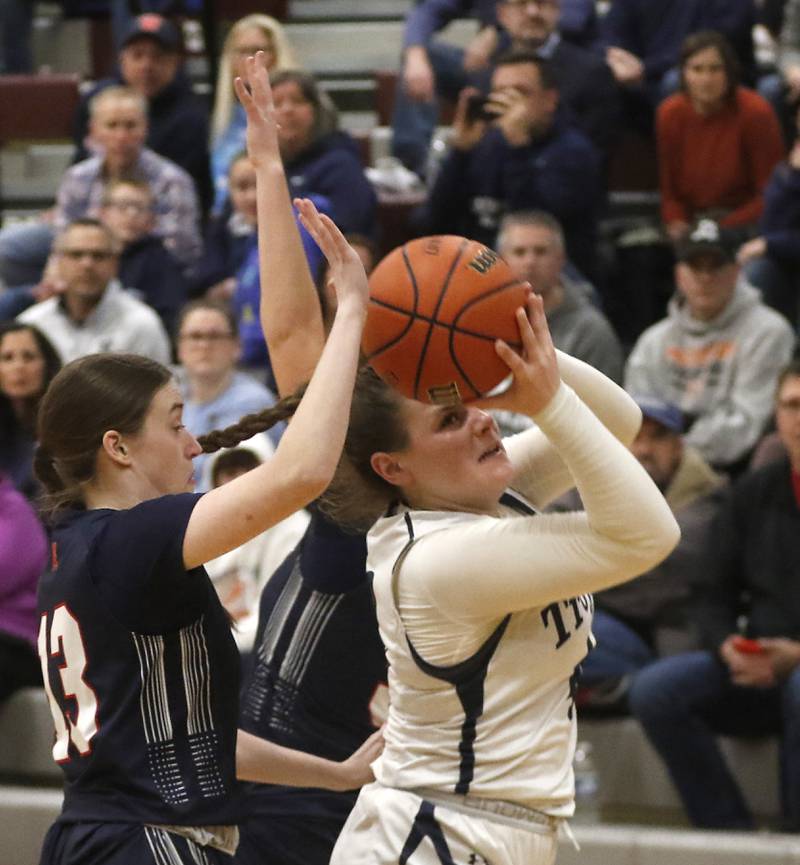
{"points": [[23, 551]]}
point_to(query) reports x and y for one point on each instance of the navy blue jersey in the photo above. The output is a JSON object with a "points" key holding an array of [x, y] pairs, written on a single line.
{"points": [[141, 670], [318, 681], [319, 662]]}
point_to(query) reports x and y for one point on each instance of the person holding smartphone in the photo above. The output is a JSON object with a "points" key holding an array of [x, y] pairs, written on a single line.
{"points": [[517, 151], [741, 684]]}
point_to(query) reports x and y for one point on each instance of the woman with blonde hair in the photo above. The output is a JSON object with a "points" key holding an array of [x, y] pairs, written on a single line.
{"points": [[256, 32]]}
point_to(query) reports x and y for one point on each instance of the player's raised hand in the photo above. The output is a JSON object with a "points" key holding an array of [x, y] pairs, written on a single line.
{"points": [[345, 272], [255, 94], [535, 369]]}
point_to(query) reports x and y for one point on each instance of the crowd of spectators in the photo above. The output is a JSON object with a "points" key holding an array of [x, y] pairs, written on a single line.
{"points": [[151, 247]]}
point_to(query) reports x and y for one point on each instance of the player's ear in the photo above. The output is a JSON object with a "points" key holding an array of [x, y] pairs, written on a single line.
{"points": [[115, 448], [386, 466]]}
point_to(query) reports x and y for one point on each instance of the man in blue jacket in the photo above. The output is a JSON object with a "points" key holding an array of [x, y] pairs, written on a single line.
{"points": [[436, 68], [527, 158]]}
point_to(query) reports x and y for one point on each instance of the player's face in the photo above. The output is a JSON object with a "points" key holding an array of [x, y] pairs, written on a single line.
{"points": [[787, 417], [530, 22], [147, 67], [534, 254], [242, 188], [207, 347], [455, 459], [21, 366], [659, 450], [707, 284], [162, 452], [295, 116]]}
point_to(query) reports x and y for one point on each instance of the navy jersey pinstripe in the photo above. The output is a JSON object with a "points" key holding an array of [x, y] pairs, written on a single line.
{"points": [[160, 661], [318, 663]]}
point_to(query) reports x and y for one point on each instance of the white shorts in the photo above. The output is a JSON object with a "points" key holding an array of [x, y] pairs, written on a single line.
{"points": [[395, 827]]}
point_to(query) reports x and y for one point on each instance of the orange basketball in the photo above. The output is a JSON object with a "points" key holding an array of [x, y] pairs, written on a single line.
{"points": [[437, 305]]}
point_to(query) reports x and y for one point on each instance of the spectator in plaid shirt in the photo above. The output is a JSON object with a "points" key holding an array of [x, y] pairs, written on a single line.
{"points": [[119, 126]]}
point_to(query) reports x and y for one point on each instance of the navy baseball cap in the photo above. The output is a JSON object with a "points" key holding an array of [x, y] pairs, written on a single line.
{"points": [[156, 27], [707, 237], [664, 413]]}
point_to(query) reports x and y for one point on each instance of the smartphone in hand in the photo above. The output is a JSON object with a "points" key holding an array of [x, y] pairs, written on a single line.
{"points": [[747, 646]]}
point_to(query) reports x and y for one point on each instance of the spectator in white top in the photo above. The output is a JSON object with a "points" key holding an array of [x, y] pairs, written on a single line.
{"points": [[93, 313]]}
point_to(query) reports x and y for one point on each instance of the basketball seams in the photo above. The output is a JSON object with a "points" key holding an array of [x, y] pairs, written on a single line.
{"points": [[442, 291], [411, 315]]}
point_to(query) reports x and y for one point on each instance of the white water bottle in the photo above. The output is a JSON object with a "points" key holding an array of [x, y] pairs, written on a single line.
{"points": [[587, 785]]}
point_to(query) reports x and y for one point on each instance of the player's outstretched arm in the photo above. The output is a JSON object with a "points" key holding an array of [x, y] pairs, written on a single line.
{"points": [[289, 302], [309, 450], [268, 763]]}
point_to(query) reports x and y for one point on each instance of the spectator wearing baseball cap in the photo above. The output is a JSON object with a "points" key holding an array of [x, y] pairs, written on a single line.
{"points": [[717, 354], [150, 62], [650, 617]]}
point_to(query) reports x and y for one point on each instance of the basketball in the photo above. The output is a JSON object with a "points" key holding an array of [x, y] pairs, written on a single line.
{"points": [[437, 305]]}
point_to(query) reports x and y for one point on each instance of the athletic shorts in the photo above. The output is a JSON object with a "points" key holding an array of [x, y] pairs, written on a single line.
{"points": [[123, 844], [395, 827]]}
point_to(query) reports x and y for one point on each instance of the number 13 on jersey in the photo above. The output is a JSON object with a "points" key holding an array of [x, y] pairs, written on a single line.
{"points": [[66, 644]]}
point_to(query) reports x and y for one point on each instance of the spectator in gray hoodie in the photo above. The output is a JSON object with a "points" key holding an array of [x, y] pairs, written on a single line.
{"points": [[717, 354], [532, 243]]}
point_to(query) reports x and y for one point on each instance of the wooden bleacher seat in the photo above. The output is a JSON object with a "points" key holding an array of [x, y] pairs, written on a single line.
{"points": [[37, 107]]}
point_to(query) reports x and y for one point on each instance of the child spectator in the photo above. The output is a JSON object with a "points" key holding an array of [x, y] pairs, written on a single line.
{"points": [[230, 235], [146, 268]]}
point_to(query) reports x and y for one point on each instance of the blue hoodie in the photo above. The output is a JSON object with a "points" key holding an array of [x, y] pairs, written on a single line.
{"points": [[331, 168], [780, 222]]}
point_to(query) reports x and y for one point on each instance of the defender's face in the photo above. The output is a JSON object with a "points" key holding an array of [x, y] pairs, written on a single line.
{"points": [[162, 452]]}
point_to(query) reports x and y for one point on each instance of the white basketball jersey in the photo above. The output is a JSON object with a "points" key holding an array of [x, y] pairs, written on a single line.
{"points": [[500, 724]]}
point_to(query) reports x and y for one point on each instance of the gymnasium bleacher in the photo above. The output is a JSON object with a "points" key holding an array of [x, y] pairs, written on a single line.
{"points": [[353, 46]]}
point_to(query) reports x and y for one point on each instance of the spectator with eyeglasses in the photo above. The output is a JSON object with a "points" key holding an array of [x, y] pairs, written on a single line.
{"points": [[215, 393], [91, 311], [587, 88], [744, 683], [119, 125], [146, 267]]}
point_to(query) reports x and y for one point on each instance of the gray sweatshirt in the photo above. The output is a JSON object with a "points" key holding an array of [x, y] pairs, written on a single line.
{"points": [[721, 373]]}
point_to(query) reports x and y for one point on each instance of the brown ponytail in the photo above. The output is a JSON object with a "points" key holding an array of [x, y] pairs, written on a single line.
{"points": [[357, 496], [251, 424]]}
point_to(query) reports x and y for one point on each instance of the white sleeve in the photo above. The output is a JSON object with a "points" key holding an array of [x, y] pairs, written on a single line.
{"points": [[490, 567], [542, 474]]}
